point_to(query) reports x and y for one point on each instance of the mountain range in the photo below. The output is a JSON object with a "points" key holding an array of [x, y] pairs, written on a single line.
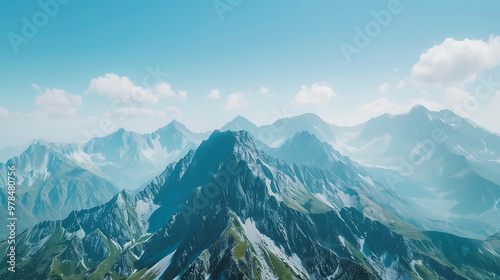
{"points": [[57, 178], [230, 211], [410, 196]]}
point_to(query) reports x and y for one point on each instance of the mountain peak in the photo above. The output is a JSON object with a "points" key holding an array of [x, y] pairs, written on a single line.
{"points": [[240, 123], [240, 118], [120, 131], [310, 118], [419, 109], [304, 134], [38, 146], [174, 122], [174, 125], [235, 137], [229, 142], [306, 148]]}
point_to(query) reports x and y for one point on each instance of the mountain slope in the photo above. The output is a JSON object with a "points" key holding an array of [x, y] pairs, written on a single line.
{"points": [[237, 213], [57, 178], [384, 138], [439, 160], [50, 186], [278, 132], [305, 149], [129, 159]]}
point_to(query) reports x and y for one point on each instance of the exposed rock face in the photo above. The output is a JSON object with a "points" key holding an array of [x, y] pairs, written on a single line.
{"points": [[230, 211]]}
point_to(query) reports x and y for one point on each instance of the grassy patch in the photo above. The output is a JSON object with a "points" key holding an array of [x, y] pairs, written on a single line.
{"points": [[105, 267], [240, 249], [279, 268]]}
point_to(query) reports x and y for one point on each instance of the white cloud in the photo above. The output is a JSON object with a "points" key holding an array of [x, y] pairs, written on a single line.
{"points": [[457, 97], [214, 94], [57, 102], [403, 83], [461, 102], [121, 88], [235, 101], [264, 90], [315, 95], [455, 62], [163, 89], [487, 116], [169, 112], [4, 112], [124, 89], [182, 96], [383, 88]]}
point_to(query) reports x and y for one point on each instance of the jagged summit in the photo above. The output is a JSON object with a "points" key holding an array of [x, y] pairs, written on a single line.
{"points": [[229, 211], [240, 123], [309, 117], [419, 108], [238, 137], [305, 148], [174, 124], [229, 142], [304, 136]]}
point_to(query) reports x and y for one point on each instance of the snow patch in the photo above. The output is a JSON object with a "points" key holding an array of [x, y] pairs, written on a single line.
{"points": [[80, 234], [261, 241], [33, 248], [144, 210], [160, 267]]}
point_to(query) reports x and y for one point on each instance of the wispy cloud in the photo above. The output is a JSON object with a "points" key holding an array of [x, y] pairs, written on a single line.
{"points": [[122, 88], [57, 102], [384, 88], [214, 94], [317, 94], [236, 101]]}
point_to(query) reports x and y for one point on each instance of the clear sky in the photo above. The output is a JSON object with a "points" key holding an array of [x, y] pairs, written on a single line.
{"points": [[70, 67]]}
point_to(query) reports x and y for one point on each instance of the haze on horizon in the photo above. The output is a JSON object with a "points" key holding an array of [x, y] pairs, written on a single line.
{"points": [[203, 66]]}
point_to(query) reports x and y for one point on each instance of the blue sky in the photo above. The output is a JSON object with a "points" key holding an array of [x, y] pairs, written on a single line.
{"points": [[64, 78]]}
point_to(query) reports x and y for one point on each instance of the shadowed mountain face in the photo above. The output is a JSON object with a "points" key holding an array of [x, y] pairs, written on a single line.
{"points": [[381, 139], [442, 164], [275, 134], [57, 178], [230, 211], [129, 159], [441, 161], [50, 187]]}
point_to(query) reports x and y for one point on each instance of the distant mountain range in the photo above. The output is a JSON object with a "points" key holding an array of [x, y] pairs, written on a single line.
{"points": [[57, 178], [296, 199]]}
